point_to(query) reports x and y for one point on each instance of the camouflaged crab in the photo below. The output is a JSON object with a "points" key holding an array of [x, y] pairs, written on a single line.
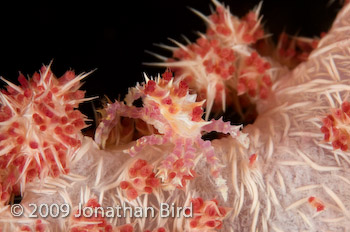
{"points": [[174, 113]]}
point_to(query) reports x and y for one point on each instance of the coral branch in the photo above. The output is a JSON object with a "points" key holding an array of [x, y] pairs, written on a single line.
{"points": [[40, 128]]}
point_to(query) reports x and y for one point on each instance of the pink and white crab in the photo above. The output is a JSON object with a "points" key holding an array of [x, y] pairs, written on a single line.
{"points": [[173, 111]]}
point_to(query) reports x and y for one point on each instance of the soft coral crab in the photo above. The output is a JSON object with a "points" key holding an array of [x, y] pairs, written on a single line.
{"points": [[173, 111]]}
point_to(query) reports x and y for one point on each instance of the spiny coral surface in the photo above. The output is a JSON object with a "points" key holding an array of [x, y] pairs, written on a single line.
{"points": [[293, 176], [40, 128]]}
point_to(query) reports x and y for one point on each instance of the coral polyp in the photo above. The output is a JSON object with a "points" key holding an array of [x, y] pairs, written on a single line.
{"points": [[40, 128], [209, 66], [336, 127], [254, 77], [92, 220], [231, 30], [208, 215], [316, 203], [140, 179], [292, 50], [222, 65]]}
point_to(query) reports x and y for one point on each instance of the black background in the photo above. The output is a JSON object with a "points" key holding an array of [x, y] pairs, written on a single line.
{"points": [[112, 38]]}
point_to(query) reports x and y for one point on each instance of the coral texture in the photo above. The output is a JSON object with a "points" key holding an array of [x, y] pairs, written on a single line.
{"points": [[150, 168], [40, 128]]}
